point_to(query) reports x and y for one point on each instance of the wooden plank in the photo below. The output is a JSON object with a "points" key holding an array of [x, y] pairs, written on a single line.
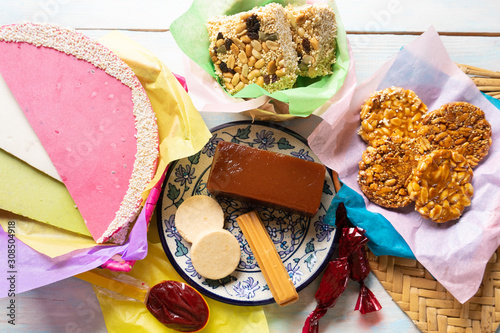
{"points": [[73, 308], [461, 16], [416, 16], [370, 51], [95, 14]]}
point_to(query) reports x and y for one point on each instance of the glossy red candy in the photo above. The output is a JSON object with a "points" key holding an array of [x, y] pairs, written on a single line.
{"points": [[360, 268], [351, 263], [335, 278], [178, 306], [332, 285]]}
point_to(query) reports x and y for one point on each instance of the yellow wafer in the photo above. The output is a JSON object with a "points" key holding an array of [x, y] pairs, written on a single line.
{"points": [[267, 256]]}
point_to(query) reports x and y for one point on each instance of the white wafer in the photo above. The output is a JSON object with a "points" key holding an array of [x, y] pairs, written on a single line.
{"points": [[196, 215], [215, 254]]}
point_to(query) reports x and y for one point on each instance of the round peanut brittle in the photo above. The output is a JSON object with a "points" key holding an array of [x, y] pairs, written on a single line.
{"points": [[441, 185], [391, 112], [384, 171], [459, 126]]}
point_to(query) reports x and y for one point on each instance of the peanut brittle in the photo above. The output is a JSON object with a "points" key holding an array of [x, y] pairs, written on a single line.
{"points": [[459, 126], [385, 169], [253, 47], [389, 112], [314, 32], [441, 185]]}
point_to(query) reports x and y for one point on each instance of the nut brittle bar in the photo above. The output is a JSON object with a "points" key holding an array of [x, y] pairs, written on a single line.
{"points": [[314, 32], [253, 47]]}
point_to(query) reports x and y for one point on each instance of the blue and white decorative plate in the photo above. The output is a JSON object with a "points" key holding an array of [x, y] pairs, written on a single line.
{"points": [[304, 244]]}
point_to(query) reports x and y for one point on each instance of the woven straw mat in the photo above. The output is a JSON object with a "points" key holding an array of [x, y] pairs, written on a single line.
{"points": [[431, 307]]}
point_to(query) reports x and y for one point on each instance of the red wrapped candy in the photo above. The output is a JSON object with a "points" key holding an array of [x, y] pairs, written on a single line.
{"points": [[367, 302], [351, 263], [360, 268]]}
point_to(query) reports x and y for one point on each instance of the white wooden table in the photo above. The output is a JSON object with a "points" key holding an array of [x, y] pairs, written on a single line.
{"points": [[470, 31]]}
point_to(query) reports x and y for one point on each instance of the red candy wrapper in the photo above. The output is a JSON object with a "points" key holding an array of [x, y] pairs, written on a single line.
{"points": [[341, 219], [332, 284], [367, 302], [351, 263], [360, 268]]}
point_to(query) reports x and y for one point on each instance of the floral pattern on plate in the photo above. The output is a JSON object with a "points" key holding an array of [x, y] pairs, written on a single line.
{"points": [[304, 244]]}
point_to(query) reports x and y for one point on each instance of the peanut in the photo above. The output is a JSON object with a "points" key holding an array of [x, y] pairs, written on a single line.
{"points": [[260, 63], [239, 43], [235, 49], [307, 59], [256, 45], [251, 61], [253, 74], [300, 19], [242, 57], [244, 80], [281, 72], [244, 70], [260, 81], [272, 45], [239, 86], [240, 27], [231, 61], [271, 67], [236, 79], [245, 39], [248, 51], [256, 54], [264, 47], [314, 43]]}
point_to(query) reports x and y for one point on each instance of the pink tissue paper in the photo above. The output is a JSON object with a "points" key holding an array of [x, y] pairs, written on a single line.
{"points": [[455, 252]]}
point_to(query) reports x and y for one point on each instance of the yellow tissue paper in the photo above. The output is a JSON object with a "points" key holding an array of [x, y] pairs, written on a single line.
{"points": [[44, 238], [181, 129], [182, 133], [129, 316], [29, 192]]}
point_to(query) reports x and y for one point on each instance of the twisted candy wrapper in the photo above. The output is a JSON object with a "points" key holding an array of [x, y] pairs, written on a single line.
{"points": [[367, 302], [351, 263], [360, 268]]}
